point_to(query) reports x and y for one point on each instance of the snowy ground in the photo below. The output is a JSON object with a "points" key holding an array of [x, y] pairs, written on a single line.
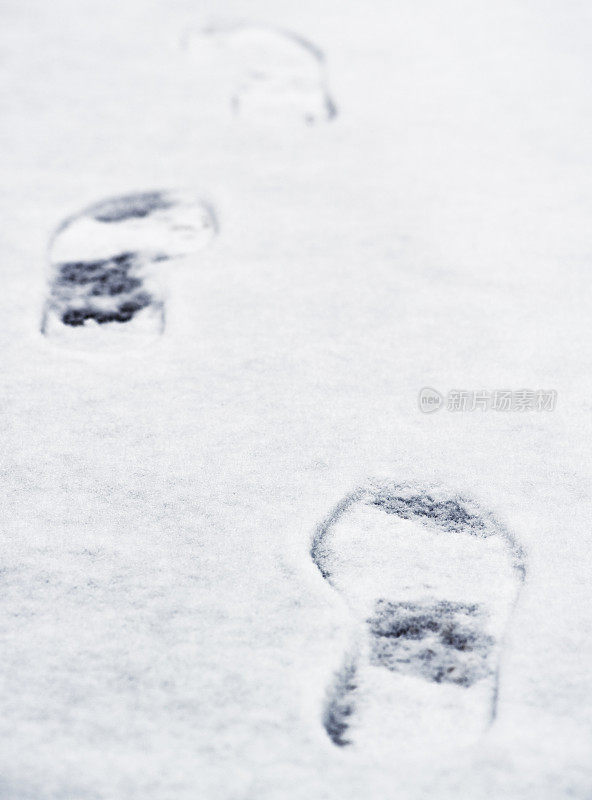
{"points": [[165, 631]]}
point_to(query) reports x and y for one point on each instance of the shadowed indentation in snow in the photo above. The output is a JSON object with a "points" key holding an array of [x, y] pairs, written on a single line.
{"points": [[83, 272], [80, 285], [441, 642], [340, 704], [131, 206], [450, 513], [124, 312]]}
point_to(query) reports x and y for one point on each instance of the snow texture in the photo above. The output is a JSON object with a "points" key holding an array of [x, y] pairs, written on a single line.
{"points": [[165, 632]]}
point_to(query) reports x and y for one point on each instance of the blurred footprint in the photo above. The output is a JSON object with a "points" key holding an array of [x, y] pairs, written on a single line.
{"points": [[270, 73], [107, 265], [431, 580]]}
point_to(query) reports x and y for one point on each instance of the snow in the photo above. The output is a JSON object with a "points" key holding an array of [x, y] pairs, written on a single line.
{"points": [[165, 632], [109, 265], [270, 74], [432, 582]]}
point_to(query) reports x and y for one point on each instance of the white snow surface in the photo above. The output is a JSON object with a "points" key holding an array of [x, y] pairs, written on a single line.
{"points": [[165, 633]]}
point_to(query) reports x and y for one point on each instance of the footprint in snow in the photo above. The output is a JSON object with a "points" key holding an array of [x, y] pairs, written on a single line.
{"points": [[270, 73], [431, 580], [107, 265]]}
